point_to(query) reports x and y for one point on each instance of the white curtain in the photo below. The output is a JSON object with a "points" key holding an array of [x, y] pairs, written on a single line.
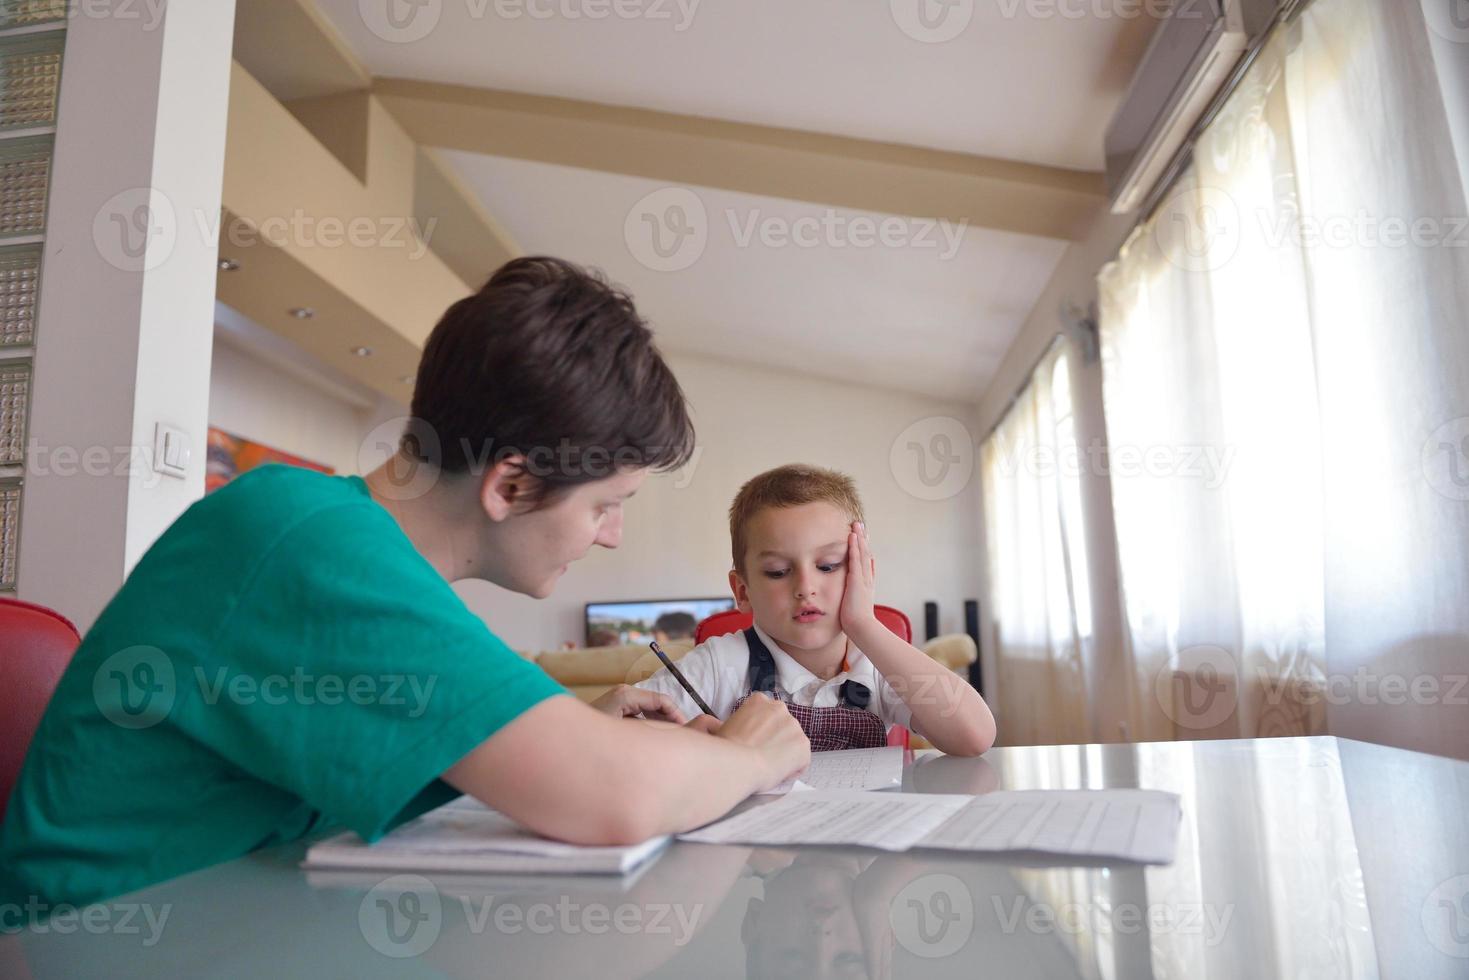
{"points": [[1278, 339], [1391, 334], [1037, 574]]}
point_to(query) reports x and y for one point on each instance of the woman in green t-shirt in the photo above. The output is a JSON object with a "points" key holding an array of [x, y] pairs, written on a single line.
{"points": [[290, 655]]}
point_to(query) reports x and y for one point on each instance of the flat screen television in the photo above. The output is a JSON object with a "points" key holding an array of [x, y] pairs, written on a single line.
{"points": [[611, 623]]}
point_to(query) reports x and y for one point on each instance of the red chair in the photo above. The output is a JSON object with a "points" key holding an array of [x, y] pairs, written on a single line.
{"points": [[734, 621], [36, 644]]}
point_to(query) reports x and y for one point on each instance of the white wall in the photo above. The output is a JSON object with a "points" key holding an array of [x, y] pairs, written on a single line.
{"points": [[251, 398], [676, 538]]}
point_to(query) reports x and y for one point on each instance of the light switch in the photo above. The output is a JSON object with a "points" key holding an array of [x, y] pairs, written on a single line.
{"points": [[170, 450]]}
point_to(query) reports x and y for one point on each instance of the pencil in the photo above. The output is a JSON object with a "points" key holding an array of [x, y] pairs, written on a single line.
{"points": [[678, 676]]}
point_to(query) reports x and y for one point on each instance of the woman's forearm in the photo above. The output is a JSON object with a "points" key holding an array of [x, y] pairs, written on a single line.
{"points": [[572, 773]]}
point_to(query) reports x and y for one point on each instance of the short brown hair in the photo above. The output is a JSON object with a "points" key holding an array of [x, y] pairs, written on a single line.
{"points": [[550, 362], [788, 486]]}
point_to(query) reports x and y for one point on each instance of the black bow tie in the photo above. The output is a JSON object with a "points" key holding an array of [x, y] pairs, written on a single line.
{"points": [[855, 694]]}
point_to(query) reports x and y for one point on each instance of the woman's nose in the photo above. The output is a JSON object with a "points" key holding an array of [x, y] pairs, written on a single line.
{"points": [[610, 536]]}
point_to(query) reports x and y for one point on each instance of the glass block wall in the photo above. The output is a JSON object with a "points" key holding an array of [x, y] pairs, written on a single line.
{"points": [[32, 38]]}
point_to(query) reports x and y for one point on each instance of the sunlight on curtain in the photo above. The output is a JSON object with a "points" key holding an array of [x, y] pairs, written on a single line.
{"points": [[1286, 385], [1390, 325], [1209, 382], [1039, 589], [1284, 351]]}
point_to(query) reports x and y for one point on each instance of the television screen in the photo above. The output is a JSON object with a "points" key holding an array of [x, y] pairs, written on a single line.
{"points": [[612, 623]]}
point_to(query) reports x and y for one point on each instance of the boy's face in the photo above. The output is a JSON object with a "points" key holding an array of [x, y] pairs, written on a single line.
{"points": [[794, 574], [806, 925]]}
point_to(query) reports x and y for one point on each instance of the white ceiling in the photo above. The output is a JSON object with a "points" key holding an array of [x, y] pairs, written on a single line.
{"points": [[935, 319], [1016, 85], [1026, 88]]}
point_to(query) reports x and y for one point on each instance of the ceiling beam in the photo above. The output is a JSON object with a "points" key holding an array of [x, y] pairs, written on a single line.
{"points": [[838, 171], [307, 232], [465, 235], [294, 51]]}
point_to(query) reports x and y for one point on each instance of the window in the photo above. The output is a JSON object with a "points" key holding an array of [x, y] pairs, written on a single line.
{"points": [[1036, 549], [1283, 350]]}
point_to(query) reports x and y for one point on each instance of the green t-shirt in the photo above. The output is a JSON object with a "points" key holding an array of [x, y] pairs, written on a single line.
{"points": [[281, 660]]}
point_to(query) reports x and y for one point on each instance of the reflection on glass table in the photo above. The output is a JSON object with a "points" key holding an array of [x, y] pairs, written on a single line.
{"points": [[1297, 857]]}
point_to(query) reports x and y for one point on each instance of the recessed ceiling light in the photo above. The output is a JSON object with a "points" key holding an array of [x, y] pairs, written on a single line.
{"points": [[362, 351], [228, 265], [302, 312]]}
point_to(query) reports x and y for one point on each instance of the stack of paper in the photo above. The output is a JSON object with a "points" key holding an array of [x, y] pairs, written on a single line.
{"points": [[1131, 824], [847, 769], [466, 835]]}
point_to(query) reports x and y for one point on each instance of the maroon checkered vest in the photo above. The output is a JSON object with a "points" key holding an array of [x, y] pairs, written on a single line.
{"points": [[849, 725]]}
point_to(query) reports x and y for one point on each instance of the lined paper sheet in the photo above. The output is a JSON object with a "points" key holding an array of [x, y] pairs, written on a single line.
{"points": [[890, 821], [1134, 824], [1131, 824], [880, 768]]}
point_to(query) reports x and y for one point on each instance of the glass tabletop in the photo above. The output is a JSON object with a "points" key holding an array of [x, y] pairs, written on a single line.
{"points": [[1298, 857]]}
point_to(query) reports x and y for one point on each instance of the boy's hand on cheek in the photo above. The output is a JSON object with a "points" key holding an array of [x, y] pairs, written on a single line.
{"points": [[858, 599]]}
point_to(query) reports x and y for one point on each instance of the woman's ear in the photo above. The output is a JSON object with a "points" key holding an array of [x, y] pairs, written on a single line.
{"points": [[505, 486], [740, 592]]}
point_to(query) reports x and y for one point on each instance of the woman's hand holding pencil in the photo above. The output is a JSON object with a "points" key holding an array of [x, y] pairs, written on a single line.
{"points": [[760, 723], [765, 725]]}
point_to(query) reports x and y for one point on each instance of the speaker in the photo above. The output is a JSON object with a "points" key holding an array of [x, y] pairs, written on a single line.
{"points": [[930, 620], [971, 626]]}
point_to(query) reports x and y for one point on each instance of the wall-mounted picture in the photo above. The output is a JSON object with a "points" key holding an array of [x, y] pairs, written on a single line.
{"points": [[230, 455]]}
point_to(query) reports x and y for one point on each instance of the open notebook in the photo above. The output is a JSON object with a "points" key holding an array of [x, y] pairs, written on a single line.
{"points": [[466, 835]]}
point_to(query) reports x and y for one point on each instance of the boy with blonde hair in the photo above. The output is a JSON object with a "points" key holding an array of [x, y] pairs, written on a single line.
{"points": [[804, 570]]}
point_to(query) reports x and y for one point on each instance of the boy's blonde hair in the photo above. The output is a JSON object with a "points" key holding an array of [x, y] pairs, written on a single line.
{"points": [[788, 486]]}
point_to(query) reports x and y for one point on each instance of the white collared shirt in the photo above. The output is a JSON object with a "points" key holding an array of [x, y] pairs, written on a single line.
{"points": [[719, 669]]}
